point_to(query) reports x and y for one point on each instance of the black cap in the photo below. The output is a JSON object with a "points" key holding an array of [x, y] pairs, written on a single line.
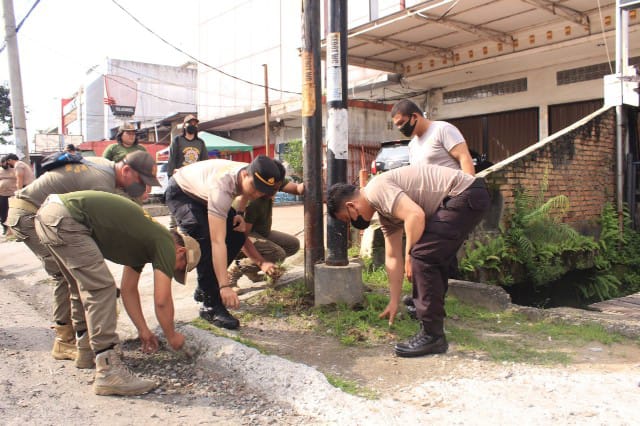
{"points": [[266, 175], [143, 163]]}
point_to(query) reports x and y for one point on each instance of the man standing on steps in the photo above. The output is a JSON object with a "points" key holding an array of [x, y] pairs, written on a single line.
{"points": [[82, 229], [433, 142], [199, 196], [438, 207], [134, 175]]}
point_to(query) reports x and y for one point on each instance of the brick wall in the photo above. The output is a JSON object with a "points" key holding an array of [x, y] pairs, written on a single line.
{"points": [[579, 162]]}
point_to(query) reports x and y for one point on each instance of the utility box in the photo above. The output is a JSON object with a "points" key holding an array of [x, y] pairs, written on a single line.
{"points": [[622, 90]]}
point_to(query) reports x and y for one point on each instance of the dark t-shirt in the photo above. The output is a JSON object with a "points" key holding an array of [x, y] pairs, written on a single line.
{"points": [[183, 152], [125, 233]]}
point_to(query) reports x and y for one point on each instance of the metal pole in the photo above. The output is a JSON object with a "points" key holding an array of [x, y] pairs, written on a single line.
{"points": [[266, 110], [15, 82], [312, 139], [621, 46], [337, 124]]}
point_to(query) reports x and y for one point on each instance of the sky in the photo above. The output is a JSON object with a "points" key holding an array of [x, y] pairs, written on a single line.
{"points": [[63, 39]]}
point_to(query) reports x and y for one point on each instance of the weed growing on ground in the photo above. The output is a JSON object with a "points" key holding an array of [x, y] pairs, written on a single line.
{"points": [[204, 325], [500, 336], [350, 387]]}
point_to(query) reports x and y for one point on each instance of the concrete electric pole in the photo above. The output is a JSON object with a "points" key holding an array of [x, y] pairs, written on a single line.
{"points": [[15, 82]]}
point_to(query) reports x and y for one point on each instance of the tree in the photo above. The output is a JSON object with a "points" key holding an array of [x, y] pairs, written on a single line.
{"points": [[5, 114], [293, 155]]}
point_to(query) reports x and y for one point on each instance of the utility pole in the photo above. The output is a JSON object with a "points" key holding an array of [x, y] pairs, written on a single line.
{"points": [[337, 280], [266, 111], [337, 124], [15, 82], [312, 139]]}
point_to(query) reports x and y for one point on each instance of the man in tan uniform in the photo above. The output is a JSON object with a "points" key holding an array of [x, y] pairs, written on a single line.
{"points": [[82, 229], [199, 196], [133, 175], [437, 207]]}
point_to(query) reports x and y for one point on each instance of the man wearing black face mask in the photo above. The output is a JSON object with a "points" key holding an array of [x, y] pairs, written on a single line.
{"points": [[187, 148], [133, 177], [437, 207], [433, 142]]}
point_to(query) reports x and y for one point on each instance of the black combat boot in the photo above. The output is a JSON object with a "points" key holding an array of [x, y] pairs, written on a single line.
{"points": [[422, 344]]}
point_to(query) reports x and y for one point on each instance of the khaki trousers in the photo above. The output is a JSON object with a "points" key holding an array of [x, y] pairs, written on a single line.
{"points": [[82, 263], [21, 222], [275, 248]]}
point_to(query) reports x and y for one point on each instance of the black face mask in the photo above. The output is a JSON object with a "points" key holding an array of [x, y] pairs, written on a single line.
{"points": [[407, 128], [135, 190], [192, 129], [360, 223]]}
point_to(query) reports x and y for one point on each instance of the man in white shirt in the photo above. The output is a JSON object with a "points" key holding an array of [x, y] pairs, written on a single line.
{"points": [[433, 142]]}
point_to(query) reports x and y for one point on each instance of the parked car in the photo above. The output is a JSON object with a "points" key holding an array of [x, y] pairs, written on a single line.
{"points": [[395, 154], [161, 174], [392, 154]]}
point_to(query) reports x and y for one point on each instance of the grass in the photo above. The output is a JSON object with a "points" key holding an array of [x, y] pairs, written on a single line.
{"points": [[499, 336], [204, 325], [350, 387]]}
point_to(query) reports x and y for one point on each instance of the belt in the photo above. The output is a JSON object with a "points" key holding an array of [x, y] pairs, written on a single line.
{"points": [[19, 203]]}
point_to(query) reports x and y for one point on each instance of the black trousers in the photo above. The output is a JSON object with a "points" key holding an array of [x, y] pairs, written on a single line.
{"points": [[4, 208], [431, 256], [192, 218]]}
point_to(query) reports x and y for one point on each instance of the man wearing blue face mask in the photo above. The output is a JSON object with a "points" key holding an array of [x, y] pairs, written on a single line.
{"points": [[133, 177], [437, 207]]}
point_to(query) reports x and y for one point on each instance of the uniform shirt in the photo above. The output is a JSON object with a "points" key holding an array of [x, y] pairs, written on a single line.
{"points": [[123, 231], [434, 145], [72, 177], [183, 152], [116, 151], [7, 182], [259, 214], [425, 185], [214, 182], [25, 170]]}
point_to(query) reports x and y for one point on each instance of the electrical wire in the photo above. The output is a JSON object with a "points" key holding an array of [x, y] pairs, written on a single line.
{"points": [[198, 60], [604, 38], [21, 22]]}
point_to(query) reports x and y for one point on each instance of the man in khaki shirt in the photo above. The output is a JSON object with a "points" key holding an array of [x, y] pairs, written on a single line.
{"points": [[132, 176], [437, 207]]}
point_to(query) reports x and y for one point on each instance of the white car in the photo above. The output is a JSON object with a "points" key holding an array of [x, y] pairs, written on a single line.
{"points": [[161, 174]]}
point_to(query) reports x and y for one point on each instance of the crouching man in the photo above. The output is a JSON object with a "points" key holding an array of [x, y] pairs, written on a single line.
{"points": [[82, 229], [438, 206]]}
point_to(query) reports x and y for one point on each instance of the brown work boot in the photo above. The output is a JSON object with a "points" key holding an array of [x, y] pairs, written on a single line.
{"points": [[115, 378], [85, 357], [64, 346]]}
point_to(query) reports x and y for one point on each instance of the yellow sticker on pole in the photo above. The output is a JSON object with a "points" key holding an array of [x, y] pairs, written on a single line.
{"points": [[308, 85]]}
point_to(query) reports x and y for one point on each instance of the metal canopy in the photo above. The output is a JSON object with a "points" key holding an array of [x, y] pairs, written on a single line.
{"points": [[443, 35]]}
